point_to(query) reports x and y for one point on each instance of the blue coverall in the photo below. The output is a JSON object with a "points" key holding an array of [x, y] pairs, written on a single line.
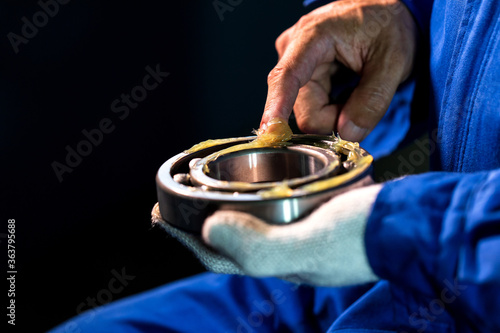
{"points": [[433, 239]]}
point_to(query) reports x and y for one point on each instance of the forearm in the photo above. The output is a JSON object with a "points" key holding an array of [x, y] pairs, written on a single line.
{"points": [[436, 231]]}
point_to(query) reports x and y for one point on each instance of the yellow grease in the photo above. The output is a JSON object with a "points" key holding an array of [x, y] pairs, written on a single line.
{"points": [[276, 133], [279, 191], [321, 185], [208, 144], [341, 147]]}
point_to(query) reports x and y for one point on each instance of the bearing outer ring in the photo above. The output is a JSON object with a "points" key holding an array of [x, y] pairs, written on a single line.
{"points": [[186, 205]]}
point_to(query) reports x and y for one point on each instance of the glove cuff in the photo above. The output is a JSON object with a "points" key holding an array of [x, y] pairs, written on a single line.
{"points": [[211, 259]]}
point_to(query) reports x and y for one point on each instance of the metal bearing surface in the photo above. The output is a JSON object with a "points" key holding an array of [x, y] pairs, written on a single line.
{"points": [[190, 187], [261, 168]]}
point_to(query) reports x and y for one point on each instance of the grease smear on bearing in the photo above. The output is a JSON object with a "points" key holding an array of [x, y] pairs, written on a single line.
{"points": [[278, 133]]}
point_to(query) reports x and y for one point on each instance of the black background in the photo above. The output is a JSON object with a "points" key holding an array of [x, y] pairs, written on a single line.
{"points": [[70, 235]]}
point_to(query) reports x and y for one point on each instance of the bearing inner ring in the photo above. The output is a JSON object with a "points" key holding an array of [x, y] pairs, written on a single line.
{"points": [[264, 168]]}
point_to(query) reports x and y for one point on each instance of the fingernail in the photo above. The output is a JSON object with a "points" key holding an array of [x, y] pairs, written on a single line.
{"points": [[263, 127], [352, 132]]}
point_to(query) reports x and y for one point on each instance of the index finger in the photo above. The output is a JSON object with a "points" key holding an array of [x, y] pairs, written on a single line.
{"points": [[293, 71]]}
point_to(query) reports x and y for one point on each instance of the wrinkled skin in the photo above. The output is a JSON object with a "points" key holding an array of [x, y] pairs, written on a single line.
{"points": [[374, 38]]}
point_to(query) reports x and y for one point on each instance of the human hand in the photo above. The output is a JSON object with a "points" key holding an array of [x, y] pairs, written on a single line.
{"points": [[326, 248], [374, 38]]}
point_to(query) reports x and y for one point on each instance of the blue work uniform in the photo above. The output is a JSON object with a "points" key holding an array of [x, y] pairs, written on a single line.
{"points": [[433, 239]]}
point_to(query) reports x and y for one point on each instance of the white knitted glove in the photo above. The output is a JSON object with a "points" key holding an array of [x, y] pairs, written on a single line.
{"points": [[326, 248], [212, 260]]}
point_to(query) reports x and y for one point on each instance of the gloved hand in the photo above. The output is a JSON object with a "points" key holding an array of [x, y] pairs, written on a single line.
{"points": [[326, 248]]}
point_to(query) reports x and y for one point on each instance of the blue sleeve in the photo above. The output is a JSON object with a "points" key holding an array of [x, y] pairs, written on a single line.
{"points": [[421, 10], [439, 234]]}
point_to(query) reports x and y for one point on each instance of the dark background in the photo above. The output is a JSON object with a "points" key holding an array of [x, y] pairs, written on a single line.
{"points": [[71, 235]]}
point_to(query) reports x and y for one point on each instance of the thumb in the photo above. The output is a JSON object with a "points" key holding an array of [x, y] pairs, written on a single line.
{"points": [[242, 238], [227, 230], [368, 102]]}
